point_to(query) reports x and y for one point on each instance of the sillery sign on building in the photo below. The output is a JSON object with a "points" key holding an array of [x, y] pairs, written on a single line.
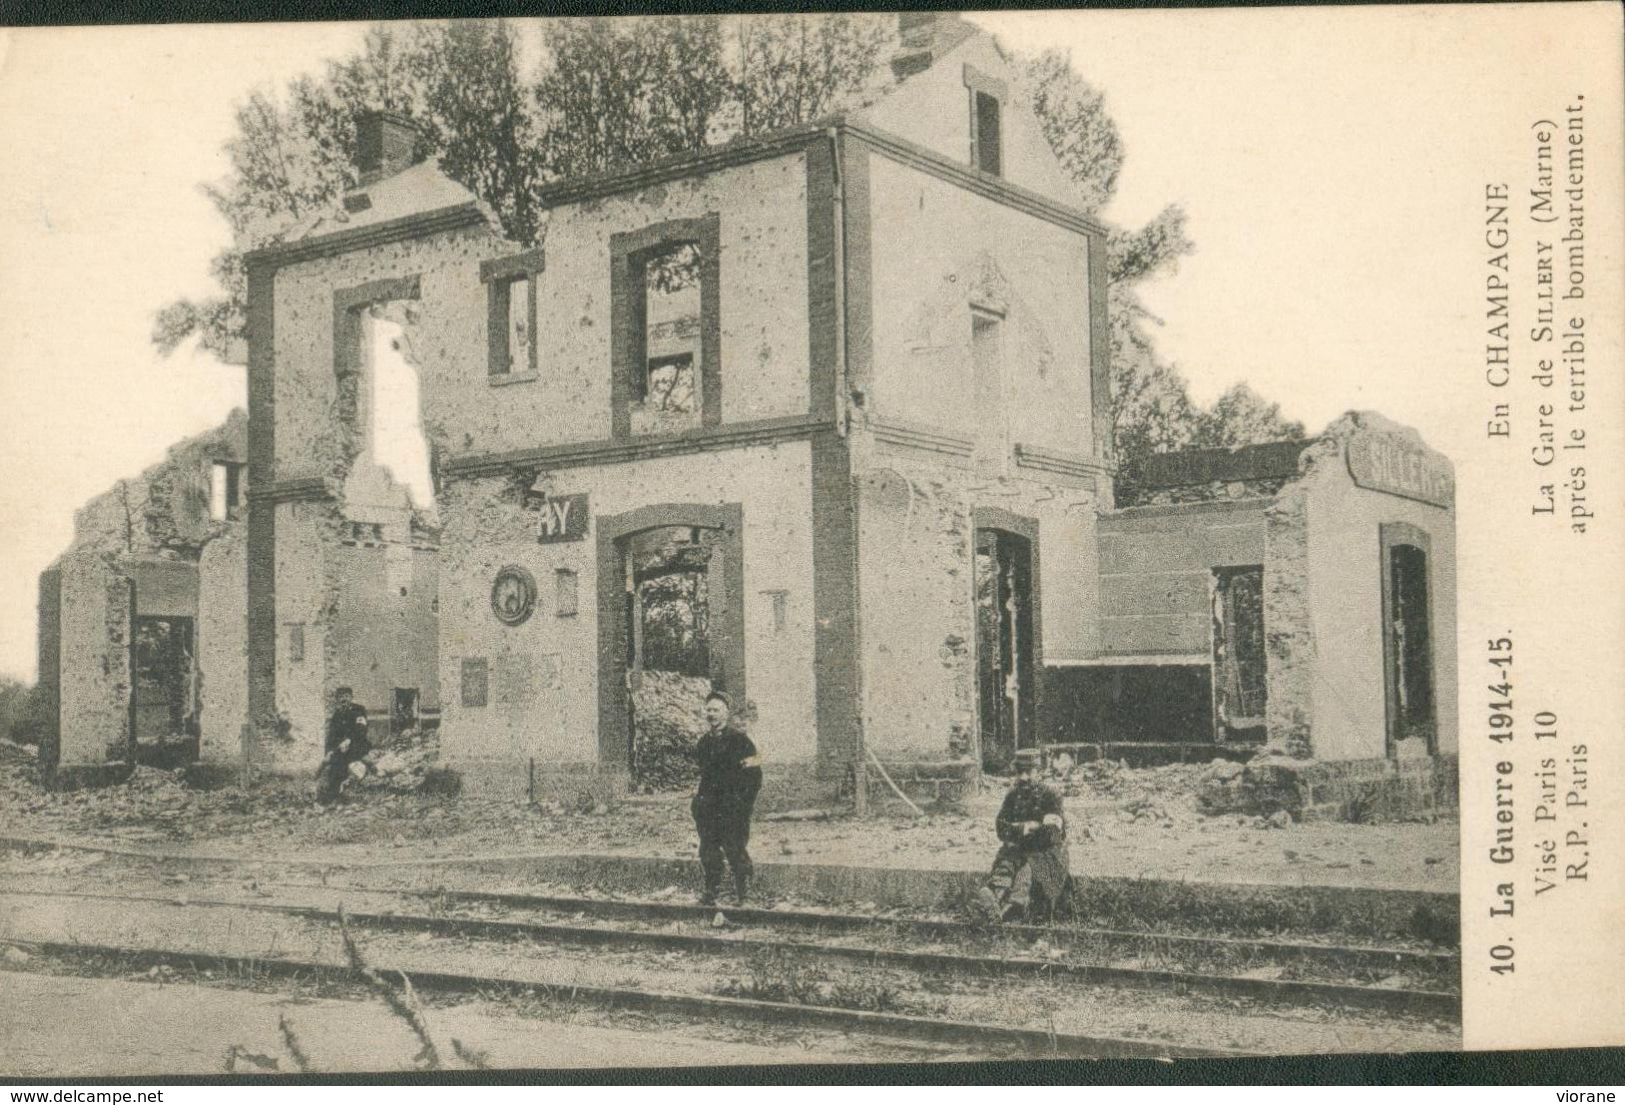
{"points": [[563, 517], [1384, 462]]}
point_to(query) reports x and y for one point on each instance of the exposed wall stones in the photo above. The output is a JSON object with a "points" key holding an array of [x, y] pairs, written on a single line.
{"points": [[222, 628], [1289, 629], [916, 592]]}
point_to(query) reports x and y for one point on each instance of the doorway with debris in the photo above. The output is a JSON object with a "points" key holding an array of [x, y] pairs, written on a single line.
{"points": [[1240, 667], [1005, 662], [672, 575], [1407, 634], [162, 676]]}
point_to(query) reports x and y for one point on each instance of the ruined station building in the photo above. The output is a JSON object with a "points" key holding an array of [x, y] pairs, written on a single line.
{"points": [[820, 419]]}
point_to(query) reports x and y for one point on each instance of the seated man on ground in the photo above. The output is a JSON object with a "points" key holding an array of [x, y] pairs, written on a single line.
{"points": [[1031, 873], [346, 744]]}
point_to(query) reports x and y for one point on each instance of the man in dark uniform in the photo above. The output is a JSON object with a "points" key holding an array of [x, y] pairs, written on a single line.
{"points": [[346, 744], [1030, 873], [730, 776]]}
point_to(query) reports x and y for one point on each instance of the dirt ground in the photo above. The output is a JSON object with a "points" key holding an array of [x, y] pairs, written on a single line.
{"points": [[1123, 821]]}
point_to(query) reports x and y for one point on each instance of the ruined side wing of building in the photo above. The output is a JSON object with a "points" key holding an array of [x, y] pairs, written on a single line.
{"points": [[141, 619]]}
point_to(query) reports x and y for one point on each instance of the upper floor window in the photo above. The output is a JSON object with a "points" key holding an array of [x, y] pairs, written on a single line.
{"points": [[511, 284], [226, 489], [666, 338], [987, 97], [986, 127]]}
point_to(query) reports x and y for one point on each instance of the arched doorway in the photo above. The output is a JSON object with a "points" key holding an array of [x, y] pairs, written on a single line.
{"points": [[671, 629]]}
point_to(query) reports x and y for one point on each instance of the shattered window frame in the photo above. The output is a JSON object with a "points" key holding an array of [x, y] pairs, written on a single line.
{"points": [[631, 253], [500, 276]]}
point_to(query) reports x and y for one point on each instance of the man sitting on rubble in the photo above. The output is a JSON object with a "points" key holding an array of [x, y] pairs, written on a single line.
{"points": [[730, 776], [1031, 872], [346, 744]]}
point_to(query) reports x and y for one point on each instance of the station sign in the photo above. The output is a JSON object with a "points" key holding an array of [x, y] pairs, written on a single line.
{"points": [[563, 517], [1398, 466]]}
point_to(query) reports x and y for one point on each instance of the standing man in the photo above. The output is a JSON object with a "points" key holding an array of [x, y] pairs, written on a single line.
{"points": [[346, 743], [730, 776], [1030, 874]]}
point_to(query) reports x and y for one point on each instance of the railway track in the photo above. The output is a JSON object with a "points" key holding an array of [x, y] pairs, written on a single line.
{"points": [[1443, 968], [887, 981], [1427, 1003], [947, 1032], [543, 926]]}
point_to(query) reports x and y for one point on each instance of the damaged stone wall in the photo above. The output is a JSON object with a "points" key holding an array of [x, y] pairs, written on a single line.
{"points": [[304, 603], [916, 601], [317, 435], [942, 252], [762, 209], [385, 630], [979, 396], [1129, 494], [222, 627], [1345, 597], [153, 526], [95, 673], [539, 679], [1289, 626], [1156, 573], [356, 573]]}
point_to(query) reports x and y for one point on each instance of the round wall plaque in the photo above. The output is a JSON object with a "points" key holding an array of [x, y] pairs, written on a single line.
{"points": [[513, 595]]}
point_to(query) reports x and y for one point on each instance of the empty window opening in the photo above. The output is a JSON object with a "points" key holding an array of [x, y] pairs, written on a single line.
{"points": [[161, 663], [985, 127], [666, 395], [516, 303], [395, 470], [1410, 651], [1240, 671], [226, 492]]}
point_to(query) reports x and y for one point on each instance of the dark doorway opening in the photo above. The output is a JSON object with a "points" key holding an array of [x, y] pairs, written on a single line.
{"points": [[403, 712], [1240, 669], [1005, 662], [1408, 646], [162, 670], [672, 575]]}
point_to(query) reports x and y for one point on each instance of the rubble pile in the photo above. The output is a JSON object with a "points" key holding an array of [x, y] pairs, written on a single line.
{"points": [[1156, 794], [151, 805], [401, 761], [668, 708], [1264, 788]]}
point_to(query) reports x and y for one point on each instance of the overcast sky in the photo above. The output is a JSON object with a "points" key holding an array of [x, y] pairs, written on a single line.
{"points": [[1330, 162]]}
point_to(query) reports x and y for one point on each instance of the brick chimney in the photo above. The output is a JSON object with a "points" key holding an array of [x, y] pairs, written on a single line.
{"points": [[925, 37], [385, 143]]}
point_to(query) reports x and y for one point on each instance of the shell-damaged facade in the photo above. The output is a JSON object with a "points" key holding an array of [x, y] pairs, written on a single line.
{"points": [[819, 419]]}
